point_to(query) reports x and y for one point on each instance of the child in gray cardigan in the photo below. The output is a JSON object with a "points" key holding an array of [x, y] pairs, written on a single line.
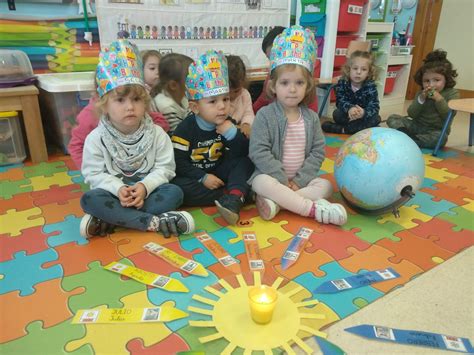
{"points": [[287, 143]]}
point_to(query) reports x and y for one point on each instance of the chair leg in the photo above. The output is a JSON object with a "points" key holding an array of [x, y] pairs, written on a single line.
{"points": [[326, 97], [471, 129], [443, 132]]}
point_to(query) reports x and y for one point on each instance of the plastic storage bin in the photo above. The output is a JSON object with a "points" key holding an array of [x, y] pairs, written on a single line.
{"points": [[392, 73], [15, 69], [12, 148], [340, 53], [62, 96], [313, 6], [315, 22], [350, 15]]}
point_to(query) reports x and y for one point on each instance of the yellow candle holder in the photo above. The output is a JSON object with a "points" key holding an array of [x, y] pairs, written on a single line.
{"points": [[262, 301]]}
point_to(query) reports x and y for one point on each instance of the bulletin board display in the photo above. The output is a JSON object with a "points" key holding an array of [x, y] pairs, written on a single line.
{"points": [[192, 27]]}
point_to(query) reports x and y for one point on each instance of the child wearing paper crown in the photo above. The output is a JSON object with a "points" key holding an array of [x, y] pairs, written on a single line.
{"points": [[88, 118], [211, 153], [287, 144], [128, 161]]}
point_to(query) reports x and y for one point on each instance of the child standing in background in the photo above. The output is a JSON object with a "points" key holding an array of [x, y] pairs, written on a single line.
{"points": [[264, 99], [128, 160], [357, 100], [88, 118], [428, 111], [170, 92], [211, 153], [287, 144], [240, 101]]}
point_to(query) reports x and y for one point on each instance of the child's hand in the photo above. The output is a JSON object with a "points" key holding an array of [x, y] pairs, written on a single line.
{"points": [[352, 113], [212, 182], [125, 195], [138, 192], [436, 96], [223, 127], [245, 129], [360, 112], [293, 186], [427, 93]]}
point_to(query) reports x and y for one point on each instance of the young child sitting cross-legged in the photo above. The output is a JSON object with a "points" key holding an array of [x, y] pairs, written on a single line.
{"points": [[287, 144], [128, 161], [212, 164]]}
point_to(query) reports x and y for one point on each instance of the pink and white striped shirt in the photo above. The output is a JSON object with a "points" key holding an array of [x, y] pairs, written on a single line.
{"points": [[294, 147]]}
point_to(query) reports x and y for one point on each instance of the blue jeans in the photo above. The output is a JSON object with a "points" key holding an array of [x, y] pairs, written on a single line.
{"points": [[106, 206]]}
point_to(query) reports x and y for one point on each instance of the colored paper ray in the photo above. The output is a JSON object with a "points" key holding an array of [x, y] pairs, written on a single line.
{"points": [[253, 252], [413, 337], [146, 277], [33, 36], [297, 244], [33, 43], [178, 261], [64, 60], [69, 68], [38, 50], [356, 281], [55, 23], [328, 348], [128, 315], [219, 252]]}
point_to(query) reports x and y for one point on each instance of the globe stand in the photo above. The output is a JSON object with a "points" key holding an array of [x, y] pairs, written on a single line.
{"points": [[406, 194]]}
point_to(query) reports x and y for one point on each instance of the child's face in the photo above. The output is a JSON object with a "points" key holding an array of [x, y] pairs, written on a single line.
{"points": [[359, 70], [125, 112], [432, 80], [234, 93], [150, 71], [290, 87], [213, 109]]}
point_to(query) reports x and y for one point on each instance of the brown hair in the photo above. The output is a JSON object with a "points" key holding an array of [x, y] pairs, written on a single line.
{"points": [[310, 87], [346, 69], [173, 66], [437, 62], [149, 53], [237, 72], [122, 91]]}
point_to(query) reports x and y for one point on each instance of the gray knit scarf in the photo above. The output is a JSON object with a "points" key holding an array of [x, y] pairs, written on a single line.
{"points": [[128, 151]]}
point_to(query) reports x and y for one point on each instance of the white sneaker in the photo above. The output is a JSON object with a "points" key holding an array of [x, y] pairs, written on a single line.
{"points": [[327, 212], [266, 207]]}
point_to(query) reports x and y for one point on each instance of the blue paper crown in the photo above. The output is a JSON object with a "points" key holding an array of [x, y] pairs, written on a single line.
{"points": [[119, 64], [295, 45], [207, 76]]}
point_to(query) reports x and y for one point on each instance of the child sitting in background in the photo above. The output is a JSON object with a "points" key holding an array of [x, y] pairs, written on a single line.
{"points": [[88, 118], [211, 153], [240, 101], [170, 92], [287, 144], [264, 99], [428, 111], [357, 101], [128, 160]]}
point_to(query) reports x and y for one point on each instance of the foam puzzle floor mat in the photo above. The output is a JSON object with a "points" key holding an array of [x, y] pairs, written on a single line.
{"points": [[48, 271]]}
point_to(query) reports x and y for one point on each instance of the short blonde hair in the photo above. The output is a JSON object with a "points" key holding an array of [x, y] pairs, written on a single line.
{"points": [[311, 84], [346, 69], [122, 91]]}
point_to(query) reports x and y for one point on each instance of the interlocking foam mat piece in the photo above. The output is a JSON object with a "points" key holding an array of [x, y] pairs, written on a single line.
{"points": [[48, 271]]}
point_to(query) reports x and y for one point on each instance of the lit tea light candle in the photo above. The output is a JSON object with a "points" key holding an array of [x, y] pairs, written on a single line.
{"points": [[262, 300]]}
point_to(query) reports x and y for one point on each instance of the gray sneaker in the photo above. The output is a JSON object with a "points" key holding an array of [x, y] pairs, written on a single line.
{"points": [[327, 212], [176, 223], [92, 227]]}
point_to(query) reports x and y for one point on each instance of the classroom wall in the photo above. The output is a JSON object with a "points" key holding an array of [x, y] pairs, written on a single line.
{"points": [[454, 35]]}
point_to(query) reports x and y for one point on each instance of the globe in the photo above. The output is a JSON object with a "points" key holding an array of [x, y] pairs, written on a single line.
{"points": [[378, 169]]}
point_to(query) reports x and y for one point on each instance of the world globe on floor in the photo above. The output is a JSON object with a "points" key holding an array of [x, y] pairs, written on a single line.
{"points": [[378, 169]]}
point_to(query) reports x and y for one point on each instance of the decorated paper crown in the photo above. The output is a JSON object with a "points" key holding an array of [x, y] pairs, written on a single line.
{"points": [[119, 64], [207, 76], [295, 45]]}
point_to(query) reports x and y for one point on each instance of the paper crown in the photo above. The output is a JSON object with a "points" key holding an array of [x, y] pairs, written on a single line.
{"points": [[207, 76], [295, 45], [119, 64]]}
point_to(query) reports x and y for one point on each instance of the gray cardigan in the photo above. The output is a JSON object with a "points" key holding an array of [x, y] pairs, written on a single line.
{"points": [[268, 137]]}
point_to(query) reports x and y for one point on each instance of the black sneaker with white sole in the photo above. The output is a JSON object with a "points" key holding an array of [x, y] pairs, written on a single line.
{"points": [[176, 223], [229, 207], [92, 227]]}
